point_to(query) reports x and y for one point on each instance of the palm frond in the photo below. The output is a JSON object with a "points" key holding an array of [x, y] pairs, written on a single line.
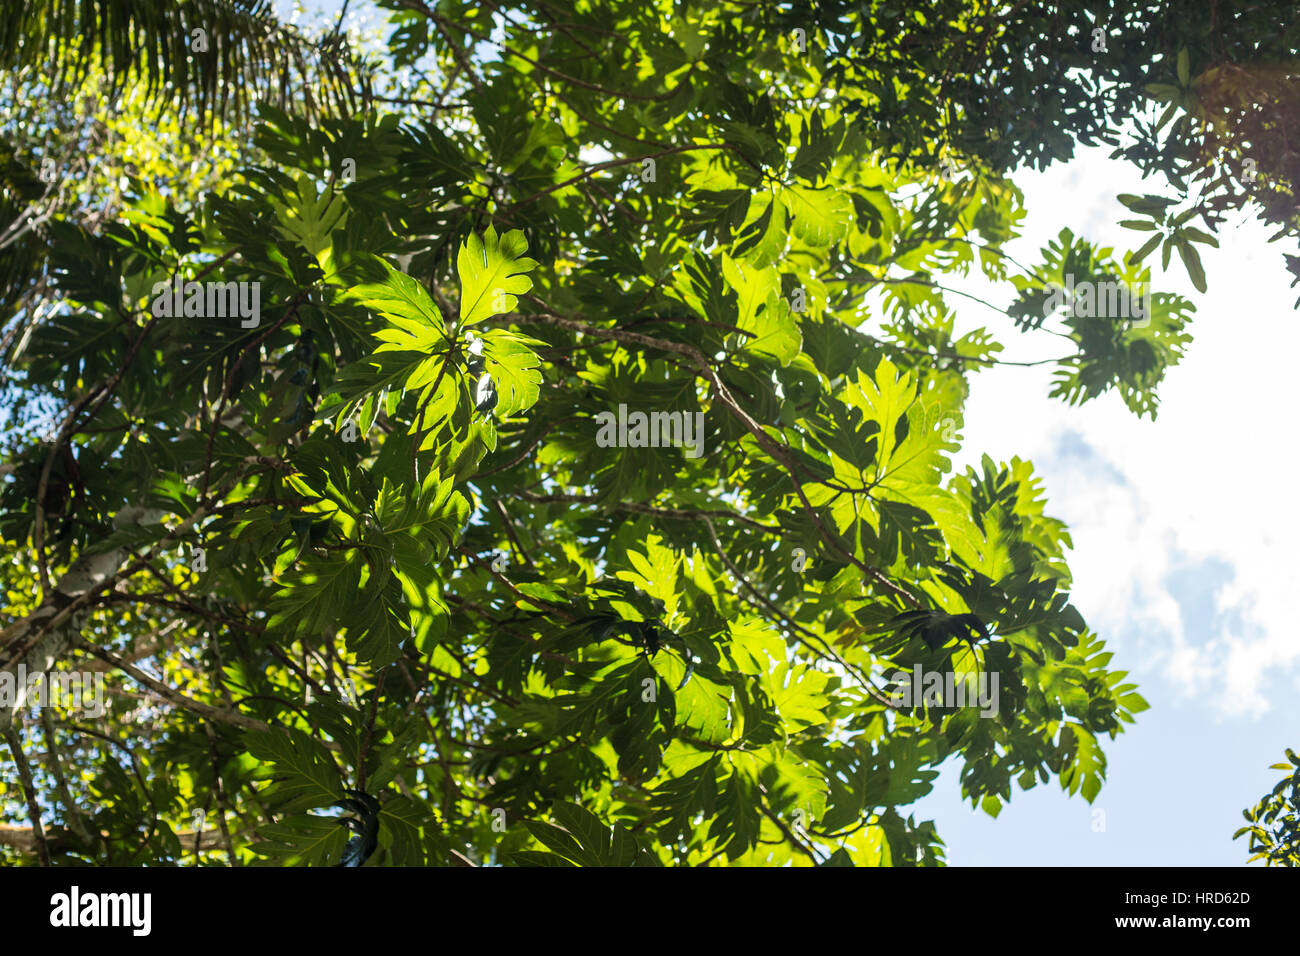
{"points": [[211, 56]]}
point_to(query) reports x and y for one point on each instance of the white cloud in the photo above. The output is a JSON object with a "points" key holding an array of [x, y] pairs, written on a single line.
{"points": [[1211, 480]]}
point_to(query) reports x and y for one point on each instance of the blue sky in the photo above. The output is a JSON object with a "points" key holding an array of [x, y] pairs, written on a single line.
{"points": [[1184, 531], [1184, 557]]}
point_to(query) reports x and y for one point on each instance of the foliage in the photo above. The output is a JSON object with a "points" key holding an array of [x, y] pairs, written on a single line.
{"points": [[388, 552], [108, 95], [1274, 822], [204, 55], [1210, 88]]}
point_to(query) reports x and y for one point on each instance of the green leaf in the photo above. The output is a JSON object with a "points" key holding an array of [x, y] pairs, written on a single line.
{"points": [[513, 365], [738, 822], [820, 217], [301, 840], [1145, 249], [761, 311], [314, 597], [492, 274], [417, 324], [1192, 260], [592, 835], [1198, 235], [561, 843], [798, 693], [537, 858], [302, 773], [1147, 205], [402, 822], [763, 241]]}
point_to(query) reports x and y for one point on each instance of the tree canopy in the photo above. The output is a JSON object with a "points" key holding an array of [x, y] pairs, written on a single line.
{"points": [[312, 462]]}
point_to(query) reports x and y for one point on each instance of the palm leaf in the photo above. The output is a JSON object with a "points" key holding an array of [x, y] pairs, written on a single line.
{"points": [[205, 55]]}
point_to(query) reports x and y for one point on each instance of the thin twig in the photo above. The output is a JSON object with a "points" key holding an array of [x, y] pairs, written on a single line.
{"points": [[29, 790]]}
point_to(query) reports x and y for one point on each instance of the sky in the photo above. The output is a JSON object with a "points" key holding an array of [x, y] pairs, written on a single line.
{"points": [[1183, 531], [1183, 558]]}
